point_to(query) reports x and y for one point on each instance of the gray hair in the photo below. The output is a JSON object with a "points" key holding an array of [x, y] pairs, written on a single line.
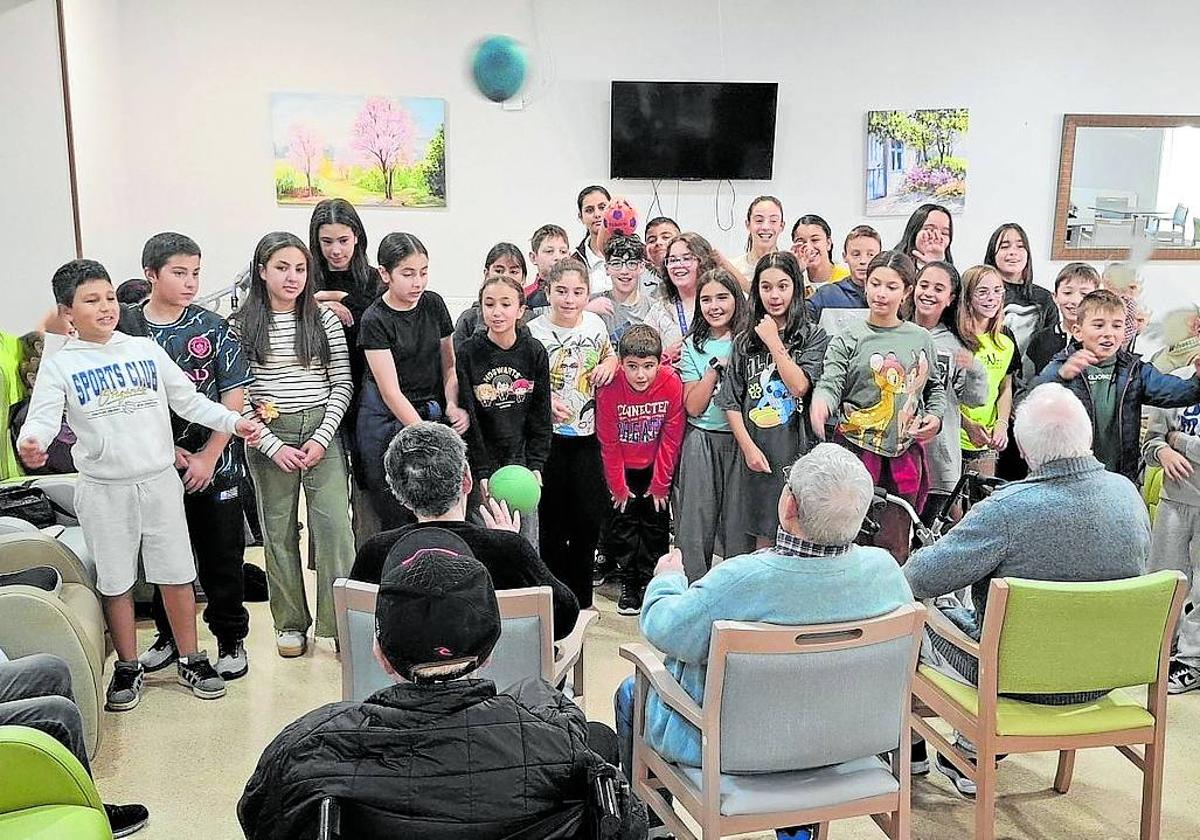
{"points": [[833, 492], [425, 464], [1051, 424]]}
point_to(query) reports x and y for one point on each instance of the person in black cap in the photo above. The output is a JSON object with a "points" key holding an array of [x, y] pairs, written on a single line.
{"points": [[426, 466], [438, 755]]}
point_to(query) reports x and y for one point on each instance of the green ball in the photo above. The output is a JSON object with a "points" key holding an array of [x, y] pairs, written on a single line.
{"points": [[516, 485]]}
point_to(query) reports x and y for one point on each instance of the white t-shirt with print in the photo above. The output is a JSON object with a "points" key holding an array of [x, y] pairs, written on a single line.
{"points": [[574, 353]]}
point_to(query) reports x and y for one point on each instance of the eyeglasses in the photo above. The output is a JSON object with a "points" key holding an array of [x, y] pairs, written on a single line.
{"points": [[688, 260], [617, 265]]}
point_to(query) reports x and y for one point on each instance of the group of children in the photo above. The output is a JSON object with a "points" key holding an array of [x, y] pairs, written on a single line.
{"points": [[656, 389]]}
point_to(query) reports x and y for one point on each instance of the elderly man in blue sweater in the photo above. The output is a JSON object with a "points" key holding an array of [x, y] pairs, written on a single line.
{"points": [[1070, 520], [814, 574]]}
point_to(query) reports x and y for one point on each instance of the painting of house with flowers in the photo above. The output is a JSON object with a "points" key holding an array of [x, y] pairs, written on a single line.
{"points": [[370, 150], [915, 157]]}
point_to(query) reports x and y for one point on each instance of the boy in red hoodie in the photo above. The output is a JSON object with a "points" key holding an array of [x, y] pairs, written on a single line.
{"points": [[640, 422]]}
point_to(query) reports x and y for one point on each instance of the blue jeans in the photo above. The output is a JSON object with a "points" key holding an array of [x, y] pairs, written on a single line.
{"points": [[35, 691], [623, 707]]}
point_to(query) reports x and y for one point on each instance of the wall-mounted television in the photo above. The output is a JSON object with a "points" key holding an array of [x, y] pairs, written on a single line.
{"points": [[693, 130]]}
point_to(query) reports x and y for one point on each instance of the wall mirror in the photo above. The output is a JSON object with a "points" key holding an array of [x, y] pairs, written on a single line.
{"points": [[1128, 181]]}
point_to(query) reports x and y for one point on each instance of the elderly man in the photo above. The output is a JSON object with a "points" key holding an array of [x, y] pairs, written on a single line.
{"points": [[1070, 520], [426, 467], [814, 574]]}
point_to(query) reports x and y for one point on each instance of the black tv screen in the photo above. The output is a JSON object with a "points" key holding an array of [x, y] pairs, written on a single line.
{"points": [[693, 130]]}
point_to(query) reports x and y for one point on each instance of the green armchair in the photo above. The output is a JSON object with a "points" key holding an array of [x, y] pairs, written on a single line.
{"points": [[45, 794]]}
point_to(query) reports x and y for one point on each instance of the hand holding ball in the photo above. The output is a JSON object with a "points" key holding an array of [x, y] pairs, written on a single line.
{"points": [[498, 67], [517, 486]]}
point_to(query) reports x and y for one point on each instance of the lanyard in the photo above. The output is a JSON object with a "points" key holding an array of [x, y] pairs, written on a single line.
{"points": [[682, 320]]}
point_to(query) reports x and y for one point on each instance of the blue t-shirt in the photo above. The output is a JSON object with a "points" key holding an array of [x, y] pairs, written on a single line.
{"points": [[200, 343], [693, 364]]}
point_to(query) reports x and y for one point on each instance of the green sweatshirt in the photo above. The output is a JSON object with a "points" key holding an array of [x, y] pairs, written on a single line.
{"points": [[1102, 384], [877, 381]]}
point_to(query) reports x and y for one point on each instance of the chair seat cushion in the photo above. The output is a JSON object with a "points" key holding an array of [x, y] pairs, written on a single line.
{"points": [[1113, 712], [799, 790], [56, 822]]}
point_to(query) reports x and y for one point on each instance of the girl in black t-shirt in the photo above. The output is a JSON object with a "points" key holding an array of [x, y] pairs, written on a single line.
{"points": [[410, 377]]}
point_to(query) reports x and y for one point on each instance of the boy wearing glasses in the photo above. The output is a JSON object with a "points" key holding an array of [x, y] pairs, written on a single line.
{"points": [[628, 301]]}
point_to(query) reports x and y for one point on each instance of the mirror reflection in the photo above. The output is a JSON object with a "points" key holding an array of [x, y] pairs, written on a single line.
{"points": [[1135, 185]]}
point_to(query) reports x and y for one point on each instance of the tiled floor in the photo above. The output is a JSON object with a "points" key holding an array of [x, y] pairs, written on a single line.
{"points": [[188, 760]]}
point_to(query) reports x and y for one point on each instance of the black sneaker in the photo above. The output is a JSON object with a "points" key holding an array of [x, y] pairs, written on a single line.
{"points": [[125, 687], [1182, 678], [126, 819], [160, 654], [198, 674], [602, 569], [231, 660], [920, 759], [630, 602]]}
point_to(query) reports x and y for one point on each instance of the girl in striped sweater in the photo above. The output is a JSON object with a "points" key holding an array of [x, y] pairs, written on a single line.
{"points": [[302, 387]]}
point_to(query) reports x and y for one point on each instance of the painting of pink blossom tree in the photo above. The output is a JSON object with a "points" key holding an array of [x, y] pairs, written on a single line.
{"points": [[370, 150], [304, 151]]}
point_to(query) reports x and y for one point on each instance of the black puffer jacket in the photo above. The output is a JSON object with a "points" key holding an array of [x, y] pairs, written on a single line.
{"points": [[451, 761]]}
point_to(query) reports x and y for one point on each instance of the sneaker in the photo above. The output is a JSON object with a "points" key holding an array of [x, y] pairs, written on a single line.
{"points": [[198, 674], [125, 688], [159, 655], [798, 832], [602, 569], [291, 643], [231, 660], [961, 783], [630, 602], [1182, 678], [920, 759], [126, 819]]}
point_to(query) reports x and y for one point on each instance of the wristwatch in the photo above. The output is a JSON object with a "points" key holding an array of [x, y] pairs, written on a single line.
{"points": [[716, 364]]}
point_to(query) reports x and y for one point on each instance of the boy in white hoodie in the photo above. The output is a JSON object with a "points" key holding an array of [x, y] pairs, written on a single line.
{"points": [[118, 392]]}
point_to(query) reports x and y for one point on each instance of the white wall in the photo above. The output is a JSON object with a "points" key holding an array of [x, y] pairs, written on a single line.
{"points": [[36, 230], [174, 111]]}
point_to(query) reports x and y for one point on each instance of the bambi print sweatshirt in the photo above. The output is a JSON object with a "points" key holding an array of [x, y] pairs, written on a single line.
{"points": [[877, 382], [118, 397], [639, 429]]}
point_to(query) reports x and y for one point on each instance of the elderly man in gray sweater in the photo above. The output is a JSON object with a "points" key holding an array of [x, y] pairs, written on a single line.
{"points": [[1070, 520]]}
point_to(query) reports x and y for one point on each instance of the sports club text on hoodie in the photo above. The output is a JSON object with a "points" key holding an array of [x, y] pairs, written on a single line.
{"points": [[118, 399]]}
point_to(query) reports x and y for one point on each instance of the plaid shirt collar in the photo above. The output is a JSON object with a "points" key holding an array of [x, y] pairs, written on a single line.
{"points": [[790, 545]]}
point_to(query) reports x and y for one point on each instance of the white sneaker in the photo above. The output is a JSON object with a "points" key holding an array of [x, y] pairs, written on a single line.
{"points": [[961, 783], [231, 660], [159, 655], [291, 643]]}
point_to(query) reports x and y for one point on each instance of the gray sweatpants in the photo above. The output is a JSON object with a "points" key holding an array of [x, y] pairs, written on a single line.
{"points": [[707, 460], [1175, 544]]}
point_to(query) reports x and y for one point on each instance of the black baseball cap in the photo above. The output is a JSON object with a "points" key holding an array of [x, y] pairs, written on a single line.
{"points": [[436, 607]]}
